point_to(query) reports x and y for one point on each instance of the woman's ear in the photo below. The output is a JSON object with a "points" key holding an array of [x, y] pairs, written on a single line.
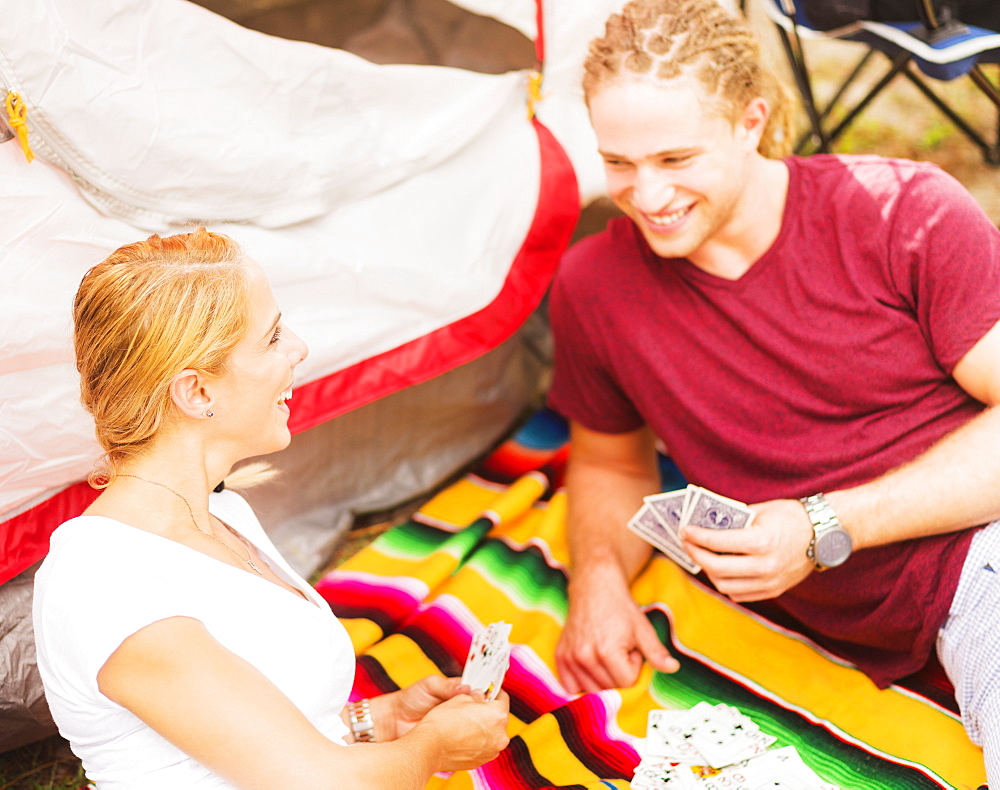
{"points": [[189, 396]]}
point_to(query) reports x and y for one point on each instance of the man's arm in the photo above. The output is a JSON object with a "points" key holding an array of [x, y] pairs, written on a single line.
{"points": [[952, 486], [606, 636]]}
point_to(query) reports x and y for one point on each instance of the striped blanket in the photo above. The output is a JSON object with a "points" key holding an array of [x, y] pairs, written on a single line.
{"points": [[493, 548]]}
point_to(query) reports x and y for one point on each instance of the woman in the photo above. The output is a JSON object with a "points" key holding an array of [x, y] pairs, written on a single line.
{"points": [[176, 647]]}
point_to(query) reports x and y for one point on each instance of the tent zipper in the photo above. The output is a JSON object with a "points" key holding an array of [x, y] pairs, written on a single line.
{"points": [[38, 139], [107, 193]]}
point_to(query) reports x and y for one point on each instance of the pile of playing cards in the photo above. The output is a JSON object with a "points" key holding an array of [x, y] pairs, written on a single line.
{"points": [[715, 747], [662, 516], [488, 660]]}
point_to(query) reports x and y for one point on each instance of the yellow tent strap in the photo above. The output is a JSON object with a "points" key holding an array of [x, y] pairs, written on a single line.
{"points": [[534, 91], [17, 114]]}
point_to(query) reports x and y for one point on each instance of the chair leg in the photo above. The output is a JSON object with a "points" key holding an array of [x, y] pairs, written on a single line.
{"points": [[831, 105], [796, 59], [898, 64], [992, 92], [825, 113], [989, 150]]}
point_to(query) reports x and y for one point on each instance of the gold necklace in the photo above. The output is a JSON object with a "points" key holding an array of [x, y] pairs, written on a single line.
{"points": [[194, 521]]}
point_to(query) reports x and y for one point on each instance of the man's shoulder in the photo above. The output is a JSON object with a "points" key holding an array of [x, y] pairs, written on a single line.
{"points": [[856, 190], [864, 171]]}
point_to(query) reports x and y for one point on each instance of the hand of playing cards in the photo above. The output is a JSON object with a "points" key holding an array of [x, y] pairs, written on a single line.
{"points": [[488, 660], [662, 516], [716, 747]]}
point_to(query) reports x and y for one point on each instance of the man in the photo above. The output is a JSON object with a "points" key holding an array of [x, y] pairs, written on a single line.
{"points": [[819, 329]]}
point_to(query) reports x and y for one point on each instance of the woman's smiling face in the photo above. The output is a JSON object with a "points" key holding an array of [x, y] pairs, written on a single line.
{"points": [[249, 397]]}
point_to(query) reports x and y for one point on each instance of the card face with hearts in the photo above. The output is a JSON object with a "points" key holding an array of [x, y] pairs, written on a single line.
{"points": [[712, 735], [488, 659], [717, 747]]}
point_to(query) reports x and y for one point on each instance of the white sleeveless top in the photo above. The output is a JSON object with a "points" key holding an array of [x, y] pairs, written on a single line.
{"points": [[104, 580]]}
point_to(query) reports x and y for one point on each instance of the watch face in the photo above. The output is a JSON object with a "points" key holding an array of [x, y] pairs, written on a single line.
{"points": [[833, 548]]}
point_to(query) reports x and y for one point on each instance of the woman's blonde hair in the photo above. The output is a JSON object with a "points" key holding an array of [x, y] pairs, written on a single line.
{"points": [[141, 316], [668, 38]]}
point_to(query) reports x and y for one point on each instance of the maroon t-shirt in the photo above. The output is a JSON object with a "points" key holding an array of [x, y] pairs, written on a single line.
{"points": [[827, 364]]}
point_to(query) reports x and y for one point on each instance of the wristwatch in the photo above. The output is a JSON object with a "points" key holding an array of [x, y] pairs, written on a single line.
{"points": [[831, 544]]}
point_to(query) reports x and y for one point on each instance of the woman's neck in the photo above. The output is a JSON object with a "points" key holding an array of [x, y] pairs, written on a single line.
{"points": [[164, 489]]}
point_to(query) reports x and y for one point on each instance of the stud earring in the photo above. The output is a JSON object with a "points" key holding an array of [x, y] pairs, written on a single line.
{"points": [[208, 414]]}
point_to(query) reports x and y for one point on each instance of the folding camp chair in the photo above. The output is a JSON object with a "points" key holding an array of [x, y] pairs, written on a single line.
{"points": [[930, 46]]}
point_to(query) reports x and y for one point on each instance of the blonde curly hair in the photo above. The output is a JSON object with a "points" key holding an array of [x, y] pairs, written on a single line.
{"points": [[666, 39]]}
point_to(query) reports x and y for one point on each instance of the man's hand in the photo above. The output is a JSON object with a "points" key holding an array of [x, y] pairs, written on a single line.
{"points": [[606, 638], [759, 562]]}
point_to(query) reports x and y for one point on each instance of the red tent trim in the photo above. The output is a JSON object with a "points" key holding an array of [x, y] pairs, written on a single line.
{"points": [[24, 539]]}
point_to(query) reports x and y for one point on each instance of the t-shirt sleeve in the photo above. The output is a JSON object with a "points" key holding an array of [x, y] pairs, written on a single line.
{"points": [[93, 601], [945, 260], [584, 388]]}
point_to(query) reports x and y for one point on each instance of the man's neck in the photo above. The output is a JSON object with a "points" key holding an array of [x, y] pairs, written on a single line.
{"points": [[754, 227]]}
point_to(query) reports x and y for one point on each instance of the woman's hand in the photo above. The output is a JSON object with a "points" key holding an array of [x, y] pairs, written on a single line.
{"points": [[468, 730], [396, 713]]}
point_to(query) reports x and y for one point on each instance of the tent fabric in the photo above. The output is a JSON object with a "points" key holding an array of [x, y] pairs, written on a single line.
{"points": [[24, 535], [409, 218], [485, 550], [168, 113], [24, 713]]}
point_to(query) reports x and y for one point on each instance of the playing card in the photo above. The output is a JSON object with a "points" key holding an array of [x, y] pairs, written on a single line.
{"points": [[645, 524], [488, 659], [724, 736], [668, 736], [724, 743], [657, 773], [669, 508], [714, 511], [717, 747], [778, 769], [689, 493]]}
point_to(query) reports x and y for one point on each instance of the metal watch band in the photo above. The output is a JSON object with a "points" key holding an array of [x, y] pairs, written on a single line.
{"points": [[362, 726], [823, 520]]}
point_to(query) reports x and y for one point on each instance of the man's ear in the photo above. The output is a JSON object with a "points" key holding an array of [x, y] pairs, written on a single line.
{"points": [[187, 391], [753, 122]]}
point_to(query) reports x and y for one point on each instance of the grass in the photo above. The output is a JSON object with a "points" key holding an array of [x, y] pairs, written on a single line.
{"points": [[46, 765]]}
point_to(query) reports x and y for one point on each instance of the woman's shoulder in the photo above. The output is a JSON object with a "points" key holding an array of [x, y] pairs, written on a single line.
{"points": [[232, 508], [85, 534], [89, 547]]}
